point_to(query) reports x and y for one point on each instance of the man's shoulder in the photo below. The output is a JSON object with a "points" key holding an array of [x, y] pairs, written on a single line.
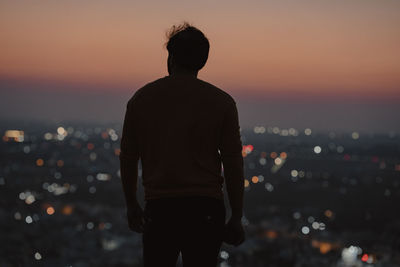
{"points": [[152, 87], [225, 96], [145, 88]]}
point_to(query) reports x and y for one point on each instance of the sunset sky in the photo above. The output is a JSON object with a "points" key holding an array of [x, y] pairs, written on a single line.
{"points": [[70, 59]]}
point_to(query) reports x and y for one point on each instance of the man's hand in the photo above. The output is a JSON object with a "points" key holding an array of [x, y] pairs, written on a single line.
{"points": [[233, 232], [136, 219]]}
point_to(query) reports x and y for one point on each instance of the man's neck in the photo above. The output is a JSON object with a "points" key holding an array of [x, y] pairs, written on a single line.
{"points": [[184, 73]]}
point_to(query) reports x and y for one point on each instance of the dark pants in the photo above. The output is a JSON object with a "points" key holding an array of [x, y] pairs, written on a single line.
{"points": [[190, 225]]}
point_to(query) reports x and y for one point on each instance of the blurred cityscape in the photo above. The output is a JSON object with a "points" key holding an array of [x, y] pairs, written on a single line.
{"points": [[312, 198]]}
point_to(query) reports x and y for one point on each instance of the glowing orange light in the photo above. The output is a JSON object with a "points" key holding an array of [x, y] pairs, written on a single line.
{"points": [[246, 183], [104, 135], [273, 155], [328, 213], [67, 210], [283, 155], [60, 163], [90, 146], [117, 151], [244, 154], [16, 135], [364, 257], [325, 247], [50, 210], [271, 234], [254, 179], [39, 162]]}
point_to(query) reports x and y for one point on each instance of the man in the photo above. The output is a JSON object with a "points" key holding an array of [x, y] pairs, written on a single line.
{"points": [[182, 128]]}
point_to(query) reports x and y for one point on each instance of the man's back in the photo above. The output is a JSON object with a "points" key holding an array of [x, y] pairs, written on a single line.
{"points": [[182, 128], [178, 122]]}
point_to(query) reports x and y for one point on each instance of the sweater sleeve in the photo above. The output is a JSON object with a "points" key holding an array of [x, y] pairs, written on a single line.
{"points": [[129, 156], [232, 159]]}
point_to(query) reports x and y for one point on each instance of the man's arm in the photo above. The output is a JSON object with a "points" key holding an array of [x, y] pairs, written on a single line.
{"points": [[232, 159], [129, 158]]}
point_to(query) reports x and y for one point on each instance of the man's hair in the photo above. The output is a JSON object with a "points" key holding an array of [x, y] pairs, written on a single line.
{"points": [[188, 46]]}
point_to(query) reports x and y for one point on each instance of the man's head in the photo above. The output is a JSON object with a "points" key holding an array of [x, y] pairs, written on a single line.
{"points": [[187, 48]]}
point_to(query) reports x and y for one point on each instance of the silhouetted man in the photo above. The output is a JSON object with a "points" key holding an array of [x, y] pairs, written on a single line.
{"points": [[182, 128]]}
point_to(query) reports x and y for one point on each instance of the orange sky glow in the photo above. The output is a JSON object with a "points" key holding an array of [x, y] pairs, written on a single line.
{"points": [[314, 47]]}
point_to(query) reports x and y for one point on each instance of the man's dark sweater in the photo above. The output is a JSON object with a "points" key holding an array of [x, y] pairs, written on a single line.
{"points": [[182, 128]]}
